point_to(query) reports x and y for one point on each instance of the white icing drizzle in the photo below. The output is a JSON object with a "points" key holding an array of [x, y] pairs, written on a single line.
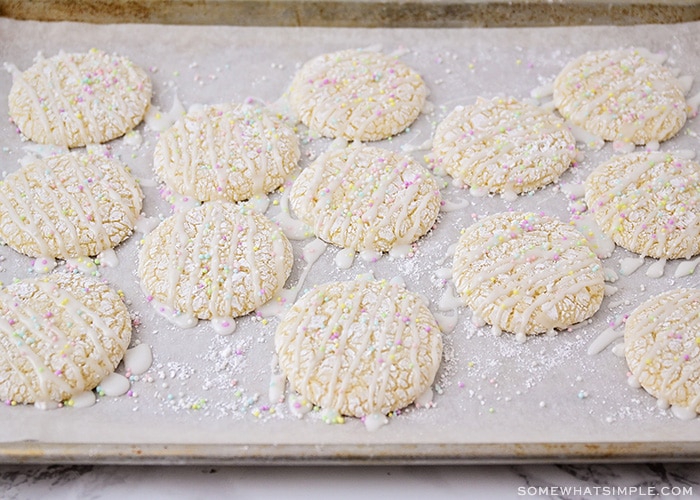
{"points": [[656, 270], [686, 268], [278, 382], [149, 182], [344, 258], [46, 405], [545, 90], [444, 273], [693, 104], [178, 202], [683, 413], [476, 192], [177, 318], [371, 255], [84, 399], [114, 385], [400, 251], [447, 322], [600, 243], [43, 265], [278, 305], [610, 275], [133, 139], [573, 191], [619, 350], [449, 300], [652, 146], [591, 141], [602, 341], [83, 264], [294, 229], [138, 359], [145, 224], [454, 206], [108, 258], [411, 148], [375, 421], [223, 325], [298, 406], [629, 265], [623, 147], [158, 121]]}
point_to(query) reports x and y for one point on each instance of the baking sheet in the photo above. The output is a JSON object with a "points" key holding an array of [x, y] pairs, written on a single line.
{"points": [[205, 398]]}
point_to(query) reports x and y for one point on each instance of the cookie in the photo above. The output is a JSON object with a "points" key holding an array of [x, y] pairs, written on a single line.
{"points": [[503, 146], [366, 198], [226, 152], [358, 95], [69, 205], [527, 274], [621, 95], [77, 99], [359, 348], [215, 261], [60, 335], [662, 348], [648, 203]]}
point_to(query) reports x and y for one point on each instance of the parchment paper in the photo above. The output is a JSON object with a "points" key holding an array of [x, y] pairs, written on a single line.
{"points": [[209, 393]]}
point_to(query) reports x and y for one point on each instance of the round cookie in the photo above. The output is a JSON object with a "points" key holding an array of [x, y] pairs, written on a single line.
{"points": [[60, 335], [648, 203], [226, 152], [366, 198], [68, 206], [503, 145], [621, 95], [359, 348], [357, 95], [78, 99], [215, 261], [527, 274], [662, 349]]}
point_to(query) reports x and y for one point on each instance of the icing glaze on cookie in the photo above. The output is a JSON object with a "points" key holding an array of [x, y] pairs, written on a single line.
{"points": [[216, 261], [365, 198], [357, 94], [226, 152], [648, 203], [360, 348], [662, 348], [503, 146], [68, 206], [527, 274], [60, 335], [79, 99], [621, 95]]}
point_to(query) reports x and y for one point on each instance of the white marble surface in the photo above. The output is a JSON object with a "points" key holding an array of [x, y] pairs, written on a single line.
{"points": [[405, 482]]}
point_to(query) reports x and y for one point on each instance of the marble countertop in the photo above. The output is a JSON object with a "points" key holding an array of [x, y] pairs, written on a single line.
{"points": [[656, 480]]}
